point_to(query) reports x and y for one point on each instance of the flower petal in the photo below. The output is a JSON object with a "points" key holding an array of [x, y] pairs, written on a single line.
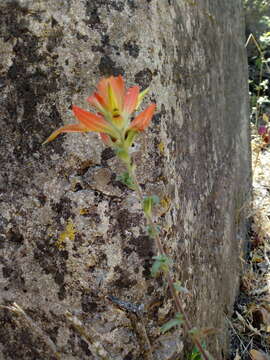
{"points": [[91, 121], [65, 129], [141, 97], [143, 119], [105, 138], [131, 100], [118, 86], [102, 88], [98, 102], [113, 102], [112, 91], [262, 130]]}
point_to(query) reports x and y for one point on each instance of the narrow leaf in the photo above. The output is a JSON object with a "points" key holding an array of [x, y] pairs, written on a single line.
{"points": [[126, 180], [152, 232], [161, 264], [194, 331], [148, 205], [149, 202], [179, 288], [172, 323], [141, 96]]}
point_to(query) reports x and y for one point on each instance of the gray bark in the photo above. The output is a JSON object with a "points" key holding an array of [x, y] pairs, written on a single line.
{"points": [[70, 233]]}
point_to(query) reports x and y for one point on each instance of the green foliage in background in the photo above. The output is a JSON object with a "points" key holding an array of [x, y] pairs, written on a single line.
{"points": [[257, 15], [195, 355]]}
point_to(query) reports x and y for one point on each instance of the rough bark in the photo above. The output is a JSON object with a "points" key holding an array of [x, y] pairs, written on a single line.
{"points": [[70, 233]]}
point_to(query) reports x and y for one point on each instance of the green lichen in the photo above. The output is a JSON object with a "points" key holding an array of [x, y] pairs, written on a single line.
{"points": [[84, 211], [68, 234], [165, 202], [161, 147]]}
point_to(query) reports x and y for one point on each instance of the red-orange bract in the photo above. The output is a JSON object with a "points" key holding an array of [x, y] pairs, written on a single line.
{"points": [[114, 105]]}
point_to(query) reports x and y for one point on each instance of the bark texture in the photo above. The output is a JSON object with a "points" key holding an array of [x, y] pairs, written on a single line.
{"points": [[71, 234]]}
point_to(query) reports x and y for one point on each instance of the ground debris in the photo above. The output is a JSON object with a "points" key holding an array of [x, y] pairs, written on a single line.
{"points": [[250, 326]]}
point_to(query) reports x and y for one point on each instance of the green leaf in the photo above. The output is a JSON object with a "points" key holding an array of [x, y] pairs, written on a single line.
{"points": [[141, 96], [155, 199], [196, 355], [155, 268], [172, 323], [194, 331], [126, 179], [148, 203], [258, 62], [179, 288], [161, 264], [151, 231]]}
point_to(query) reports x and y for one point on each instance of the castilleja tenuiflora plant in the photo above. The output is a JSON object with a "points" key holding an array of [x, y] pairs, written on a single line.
{"points": [[115, 106]]}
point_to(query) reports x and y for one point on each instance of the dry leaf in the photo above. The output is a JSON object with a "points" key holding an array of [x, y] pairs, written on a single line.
{"points": [[258, 355], [265, 317], [261, 317], [256, 258], [265, 118], [247, 324]]}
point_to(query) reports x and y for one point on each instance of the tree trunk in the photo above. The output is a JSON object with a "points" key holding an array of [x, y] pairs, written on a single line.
{"points": [[71, 235]]}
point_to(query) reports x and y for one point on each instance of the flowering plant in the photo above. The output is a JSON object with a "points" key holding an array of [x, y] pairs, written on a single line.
{"points": [[113, 121], [114, 105], [265, 133]]}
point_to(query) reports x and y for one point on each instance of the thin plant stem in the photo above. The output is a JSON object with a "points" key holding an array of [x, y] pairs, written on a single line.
{"points": [[178, 304]]}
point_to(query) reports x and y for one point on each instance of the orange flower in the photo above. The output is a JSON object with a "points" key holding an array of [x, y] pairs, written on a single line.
{"points": [[115, 105]]}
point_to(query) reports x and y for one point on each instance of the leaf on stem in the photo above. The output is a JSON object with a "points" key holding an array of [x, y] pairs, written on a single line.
{"points": [[161, 264], [126, 180], [194, 332], [153, 231], [148, 203], [202, 333], [196, 355], [176, 321], [179, 288]]}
